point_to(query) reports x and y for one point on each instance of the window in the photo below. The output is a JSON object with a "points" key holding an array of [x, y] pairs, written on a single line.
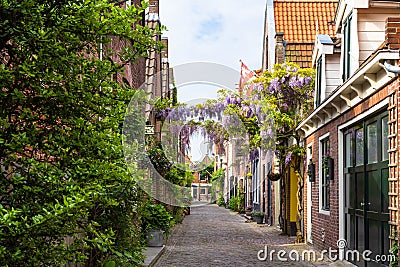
{"points": [[359, 146], [202, 191], [372, 142], [324, 180], [346, 48], [318, 83], [349, 153]]}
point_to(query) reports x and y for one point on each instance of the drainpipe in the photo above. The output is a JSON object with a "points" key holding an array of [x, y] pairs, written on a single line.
{"points": [[284, 43], [391, 68]]}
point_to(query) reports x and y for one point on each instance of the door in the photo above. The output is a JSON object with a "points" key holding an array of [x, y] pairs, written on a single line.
{"points": [[366, 188]]}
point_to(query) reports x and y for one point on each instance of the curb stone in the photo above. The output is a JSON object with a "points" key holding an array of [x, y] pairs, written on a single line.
{"points": [[152, 254]]}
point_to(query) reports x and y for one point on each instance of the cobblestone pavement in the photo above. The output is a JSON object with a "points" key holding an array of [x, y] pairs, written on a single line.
{"points": [[215, 236]]}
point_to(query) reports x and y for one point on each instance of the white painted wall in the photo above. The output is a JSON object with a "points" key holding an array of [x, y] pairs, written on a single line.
{"points": [[371, 28]]}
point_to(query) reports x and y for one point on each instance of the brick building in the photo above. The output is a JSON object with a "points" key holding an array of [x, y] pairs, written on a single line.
{"points": [[134, 74], [351, 192], [159, 77], [290, 28]]}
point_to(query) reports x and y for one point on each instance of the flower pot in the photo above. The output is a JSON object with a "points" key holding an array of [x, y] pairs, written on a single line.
{"points": [[274, 176], [247, 212], [155, 238], [258, 219]]}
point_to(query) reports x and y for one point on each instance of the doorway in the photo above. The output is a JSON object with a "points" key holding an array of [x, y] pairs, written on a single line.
{"points": [[366, 188]]}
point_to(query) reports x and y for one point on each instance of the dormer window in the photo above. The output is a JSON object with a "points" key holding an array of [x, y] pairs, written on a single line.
{"points": [[346, 47], [326, 64]]}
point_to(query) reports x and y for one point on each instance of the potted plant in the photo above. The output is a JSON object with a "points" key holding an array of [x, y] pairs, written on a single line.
{"points": [[248, 210], [258, 216], [274, 176], [156, 222], [328, 166]]}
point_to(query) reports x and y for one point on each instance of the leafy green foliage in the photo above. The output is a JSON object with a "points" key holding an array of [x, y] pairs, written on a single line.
{"points": [[221, 201], [217, 181], [65, 192], [257, 213], [156, 216], [394, 250], [207, 172], [236, 203], [178, 175]]}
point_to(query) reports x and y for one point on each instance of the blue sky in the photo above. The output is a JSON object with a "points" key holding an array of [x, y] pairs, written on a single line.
{"points": [[210, 28], [219, 31]]}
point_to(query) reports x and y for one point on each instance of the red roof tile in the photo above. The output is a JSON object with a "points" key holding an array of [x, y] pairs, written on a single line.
{"points": [[298, 19]]}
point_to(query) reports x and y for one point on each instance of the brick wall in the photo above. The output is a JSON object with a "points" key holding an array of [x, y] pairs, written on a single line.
{"points": [[135, 72], [154, 6], [322, 222], [392, 34]]}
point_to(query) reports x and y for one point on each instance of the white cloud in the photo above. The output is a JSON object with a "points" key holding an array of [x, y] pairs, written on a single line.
{"points": [[220, 31]]}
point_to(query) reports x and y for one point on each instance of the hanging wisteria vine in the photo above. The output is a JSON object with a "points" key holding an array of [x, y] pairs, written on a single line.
{"points": [[272, 106]]}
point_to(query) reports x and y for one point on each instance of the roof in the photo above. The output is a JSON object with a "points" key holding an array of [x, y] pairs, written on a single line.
{"points": [[299, 19]]}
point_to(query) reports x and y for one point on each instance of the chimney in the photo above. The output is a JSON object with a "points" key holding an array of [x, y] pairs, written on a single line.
{"points": [[279, 48], [154, 6], [392, 32]]}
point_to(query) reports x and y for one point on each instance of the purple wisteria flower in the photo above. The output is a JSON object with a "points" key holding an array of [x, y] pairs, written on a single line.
{"points": [[254, 154], [229, 100], [258, 86], [270, 133], [295, 82], [288, 157], [274, 86], [249, 113], [263, 134]]}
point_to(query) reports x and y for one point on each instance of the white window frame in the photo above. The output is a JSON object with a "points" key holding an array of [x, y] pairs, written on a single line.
{"points": [[318, 82], [320, 170], [256, 182]]}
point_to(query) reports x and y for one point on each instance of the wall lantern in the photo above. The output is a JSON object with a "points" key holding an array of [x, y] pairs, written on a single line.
{"points": [[311, 171]]}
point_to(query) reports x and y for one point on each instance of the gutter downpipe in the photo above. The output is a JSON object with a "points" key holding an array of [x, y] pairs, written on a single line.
{"points": [[391, 68]]}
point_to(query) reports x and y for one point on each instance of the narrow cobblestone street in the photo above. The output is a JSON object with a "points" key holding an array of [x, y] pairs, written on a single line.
{"points": [[214, 236]]}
